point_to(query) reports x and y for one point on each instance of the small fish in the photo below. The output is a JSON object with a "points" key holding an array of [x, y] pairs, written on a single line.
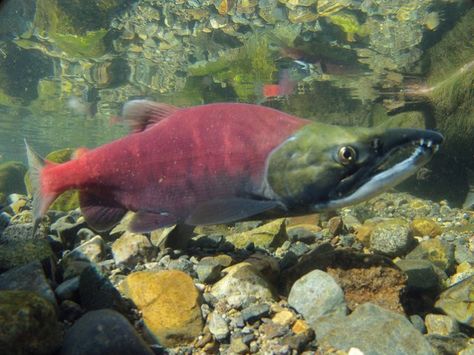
{"points": [[225, 162], [285, 87]]}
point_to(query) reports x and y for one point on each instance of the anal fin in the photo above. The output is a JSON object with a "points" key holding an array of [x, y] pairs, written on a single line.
{"points": [[144, 221], [100, 213], [228, 210]]}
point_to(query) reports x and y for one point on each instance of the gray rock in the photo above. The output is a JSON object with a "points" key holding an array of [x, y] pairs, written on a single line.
{"points": [[255, 312], [418, 323], [29, 277], [391, 237], [131, 248], [421, 274], [67, 228], [441, 324], [458, 300], [103, 332], [438, 251], [462, 253], [243, 282], [91, 251], [218, 326], [317, 294], [183, 264], [374, 331], [97, 292], [209, 270], [452, 344], [68, 289]]}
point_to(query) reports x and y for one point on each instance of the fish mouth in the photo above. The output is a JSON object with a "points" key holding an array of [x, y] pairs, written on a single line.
{"points": [[396, 155]]}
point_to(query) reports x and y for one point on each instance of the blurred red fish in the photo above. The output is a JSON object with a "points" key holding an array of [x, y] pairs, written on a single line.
{"points": [[285, 87]]}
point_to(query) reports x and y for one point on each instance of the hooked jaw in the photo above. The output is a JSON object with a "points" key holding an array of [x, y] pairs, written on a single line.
{"points": [[373, 178]]}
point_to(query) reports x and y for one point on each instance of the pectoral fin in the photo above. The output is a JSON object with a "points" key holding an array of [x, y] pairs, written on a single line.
{"points": [[100, 213], [228, 210], [144, 221]]}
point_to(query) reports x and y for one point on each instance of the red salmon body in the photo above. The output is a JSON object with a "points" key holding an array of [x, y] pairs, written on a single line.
{"points": [[188, 157]]}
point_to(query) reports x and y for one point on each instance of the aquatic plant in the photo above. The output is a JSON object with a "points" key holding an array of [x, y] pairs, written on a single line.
{"points": [[76, 27], [349, 24]]}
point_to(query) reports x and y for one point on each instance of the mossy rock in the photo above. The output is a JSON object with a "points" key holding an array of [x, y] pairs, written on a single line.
{"points": [[69, 200], [11, 178], [29, 324]]}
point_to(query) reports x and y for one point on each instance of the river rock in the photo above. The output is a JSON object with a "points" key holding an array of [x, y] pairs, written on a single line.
{"points": [[421, 274], [458, 301], [218, 326], [28, 324], [103, 332], [209, 269], [441, 324], [19, 247], [254, 312], [68, 289], [97, 292], [373, 330], [242, 284], [438, 251], [130, 248], [67, 228], [29, 277], [269, 236], [169, 302], [425, 227], [317, 294], [391, 237]]}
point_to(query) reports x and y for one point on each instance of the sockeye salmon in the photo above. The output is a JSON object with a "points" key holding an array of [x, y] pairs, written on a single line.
{"points": [[220, 163]]}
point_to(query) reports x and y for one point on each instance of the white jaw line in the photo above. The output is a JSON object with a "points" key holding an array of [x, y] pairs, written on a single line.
{"points": [[385, 179]]}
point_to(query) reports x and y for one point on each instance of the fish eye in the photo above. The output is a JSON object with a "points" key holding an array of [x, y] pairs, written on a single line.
{"points": [[346, 155]]}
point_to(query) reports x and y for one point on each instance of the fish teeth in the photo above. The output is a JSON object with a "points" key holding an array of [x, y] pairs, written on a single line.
{"points": [[429, 144], [422, 141]]}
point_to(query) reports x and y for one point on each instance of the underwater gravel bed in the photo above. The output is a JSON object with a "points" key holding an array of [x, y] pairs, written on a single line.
{"points": [[392, 275]]}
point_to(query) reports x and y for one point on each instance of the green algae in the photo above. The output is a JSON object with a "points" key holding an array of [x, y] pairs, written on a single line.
{"points": [[349, 24], [77, 27], [89, 45]]}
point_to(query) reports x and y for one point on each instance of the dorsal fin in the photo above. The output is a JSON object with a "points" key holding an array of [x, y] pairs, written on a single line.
{"points": [[141, 114]]}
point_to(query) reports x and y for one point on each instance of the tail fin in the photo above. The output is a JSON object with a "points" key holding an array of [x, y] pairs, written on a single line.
{"points": [[41, 201]]}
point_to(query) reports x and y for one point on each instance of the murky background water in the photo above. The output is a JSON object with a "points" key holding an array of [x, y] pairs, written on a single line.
{"points": [[67, 67]]}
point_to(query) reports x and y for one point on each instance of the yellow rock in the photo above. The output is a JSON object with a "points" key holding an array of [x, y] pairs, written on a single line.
{"points": [[169, 302], [300, 326], [269, 235], [363, 233], [425, 226], [284, 317]]}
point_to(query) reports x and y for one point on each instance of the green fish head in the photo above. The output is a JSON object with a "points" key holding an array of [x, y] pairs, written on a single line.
{"points": [[324, 166]]}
